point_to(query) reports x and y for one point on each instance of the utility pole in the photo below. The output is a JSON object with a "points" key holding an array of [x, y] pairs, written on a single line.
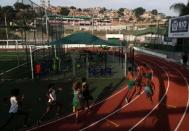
{"points": [[46, 21], [93, 22], [6, 30]]}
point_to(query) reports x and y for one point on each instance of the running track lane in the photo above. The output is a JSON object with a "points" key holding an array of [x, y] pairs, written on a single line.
{"points": [[168, 117], [98, 112], [185, 117], [127, 117], [179, 96]]}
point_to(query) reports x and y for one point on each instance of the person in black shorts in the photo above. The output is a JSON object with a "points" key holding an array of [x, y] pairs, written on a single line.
{"points": [[86, 93], [51, 103], [185, 58]]}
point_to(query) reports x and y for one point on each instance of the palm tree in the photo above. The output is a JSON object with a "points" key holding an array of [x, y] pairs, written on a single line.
{"points": [[181, 8]]}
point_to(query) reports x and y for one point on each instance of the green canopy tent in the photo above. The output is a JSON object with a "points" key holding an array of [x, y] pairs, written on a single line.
{"points": [[81, 38]]}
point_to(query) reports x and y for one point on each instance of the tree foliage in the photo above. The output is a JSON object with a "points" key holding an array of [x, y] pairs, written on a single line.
{"points": [[9, 12], [154, 12], [139, 11], [72, 7], [20, 6], [181, 8], [102, 10], [79, 9], [64, 11], [121, 9], [120, 12]]}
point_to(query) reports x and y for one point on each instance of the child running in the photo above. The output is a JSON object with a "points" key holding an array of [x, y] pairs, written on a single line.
{"points": [[149, 86], [149, 90], [85, 93], [59, 101], [147, 73], [76, 99], [16, 108], [51, 95], [130, 84], [139, 79]]}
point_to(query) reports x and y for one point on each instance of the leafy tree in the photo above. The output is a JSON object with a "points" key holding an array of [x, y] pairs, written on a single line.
{"points": [[121, 9], [154, 12], [139, 11], [9, 12], [102, 10], [120, 12], [18, 6], [72, 7], [86, 10], [79, 9], [64, 11], [24, 12], [181, 8]]}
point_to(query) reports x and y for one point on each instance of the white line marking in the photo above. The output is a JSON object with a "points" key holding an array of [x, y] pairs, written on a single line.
{"points": [[12, 69], [168, 105], [74, 113], [156, 104], [113, 111], [113, 123], [184, 114], [110, 114], [187, 105]]}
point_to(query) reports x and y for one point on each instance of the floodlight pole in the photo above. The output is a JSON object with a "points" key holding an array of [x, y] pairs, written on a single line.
{"points": [[46, 21], [6, 30], [125, 62], [87, 65], [55, 51], [31, 61], [92, 24], [73, 64]]}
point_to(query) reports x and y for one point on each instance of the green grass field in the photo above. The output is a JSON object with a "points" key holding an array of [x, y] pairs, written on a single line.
{"points": [[10, 60]]}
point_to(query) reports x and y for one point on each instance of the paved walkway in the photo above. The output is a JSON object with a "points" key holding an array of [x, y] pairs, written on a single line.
{"points": [[172, 56]]}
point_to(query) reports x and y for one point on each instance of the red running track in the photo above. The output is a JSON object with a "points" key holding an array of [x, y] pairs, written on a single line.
{"points": [[171, 89]]}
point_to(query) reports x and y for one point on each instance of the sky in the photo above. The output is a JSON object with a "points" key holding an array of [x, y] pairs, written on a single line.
{"points": [[161, 5]]}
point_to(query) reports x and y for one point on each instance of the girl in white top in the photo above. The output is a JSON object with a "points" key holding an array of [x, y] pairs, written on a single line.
{"points": [[51, 101], [51, 95], [15, 109], [14, 105]]}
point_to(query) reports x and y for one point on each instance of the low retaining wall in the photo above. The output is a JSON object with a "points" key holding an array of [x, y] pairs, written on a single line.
{"points": [[150, 52]]}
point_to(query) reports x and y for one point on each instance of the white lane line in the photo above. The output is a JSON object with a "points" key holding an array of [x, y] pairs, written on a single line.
{"points": [[187, 105], [156, 104], [2, 73], [110, 114], [74, 113], [115, 110], [184, 114]]}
